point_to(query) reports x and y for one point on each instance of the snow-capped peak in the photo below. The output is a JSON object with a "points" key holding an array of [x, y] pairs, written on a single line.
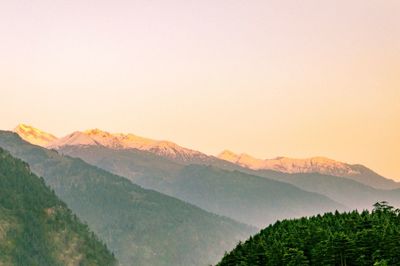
{"points": [[34, 135], [73, 139], [99, 137], [290, 165], [228, 155]]}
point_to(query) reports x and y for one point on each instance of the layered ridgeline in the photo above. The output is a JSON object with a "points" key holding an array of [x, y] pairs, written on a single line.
{"points": [[353, 194], [173, 178], [246, 198], [36, 228], [359, 190], [354, 186], [142, 227], [232, 190], [332, 239]]}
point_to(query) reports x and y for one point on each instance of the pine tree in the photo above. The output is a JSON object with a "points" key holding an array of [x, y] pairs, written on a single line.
{"points": [[294, 257]]}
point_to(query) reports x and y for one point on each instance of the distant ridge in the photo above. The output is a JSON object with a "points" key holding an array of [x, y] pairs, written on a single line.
{"points": [[170, 150], [290, 165], [97, 137], [320, 165]]}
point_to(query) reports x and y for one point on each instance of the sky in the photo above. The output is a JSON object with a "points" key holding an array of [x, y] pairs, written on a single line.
{"points": [[269, 78]]}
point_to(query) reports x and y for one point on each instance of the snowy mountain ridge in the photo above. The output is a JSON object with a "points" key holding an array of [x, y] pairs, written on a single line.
{"points": [[34, 135], [170, 150], [97, 137], [290, 165]]}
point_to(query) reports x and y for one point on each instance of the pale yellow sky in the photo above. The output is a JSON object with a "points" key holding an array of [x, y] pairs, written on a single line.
{"points": [[270, 78]]}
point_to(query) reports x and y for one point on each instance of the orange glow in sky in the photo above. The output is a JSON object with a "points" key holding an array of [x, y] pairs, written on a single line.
{"points": [[270, 78]]}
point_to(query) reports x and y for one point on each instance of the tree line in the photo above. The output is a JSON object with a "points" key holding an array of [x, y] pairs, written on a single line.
{"points": [[345, 239]]}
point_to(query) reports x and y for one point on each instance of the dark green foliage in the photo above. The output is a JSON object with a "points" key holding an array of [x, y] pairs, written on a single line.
{"points": [[294, 257], [36, 228], [367, 238], [142, 227]]}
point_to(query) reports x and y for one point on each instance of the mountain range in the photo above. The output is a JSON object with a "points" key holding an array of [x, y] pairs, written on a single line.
{"points": [[321, 165], [96, 137], [243, 197], [354, 186], [120, 141], [142, 227], [289, 165], [191, 188]]}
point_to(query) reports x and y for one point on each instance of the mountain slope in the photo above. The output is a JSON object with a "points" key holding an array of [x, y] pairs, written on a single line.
{"points": [[36, 228], [351, 193], [346, 191], [247, 198], [332, 239], [172, 178], [319, 165], [142, 227]]}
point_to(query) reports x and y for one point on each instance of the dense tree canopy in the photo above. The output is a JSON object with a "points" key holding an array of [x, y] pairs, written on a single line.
{"points": [[366, 238], [36, 228]]}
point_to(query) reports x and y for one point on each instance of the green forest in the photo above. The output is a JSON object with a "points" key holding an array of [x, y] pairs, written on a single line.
{"points": [[36, 228], [353, 238]]}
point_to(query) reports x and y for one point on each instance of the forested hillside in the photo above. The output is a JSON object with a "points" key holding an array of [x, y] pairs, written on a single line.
{"points": [[36, 228], [366, 238]]}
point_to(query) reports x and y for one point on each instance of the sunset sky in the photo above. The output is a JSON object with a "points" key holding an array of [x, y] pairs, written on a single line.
{"points": [[269, 78]]}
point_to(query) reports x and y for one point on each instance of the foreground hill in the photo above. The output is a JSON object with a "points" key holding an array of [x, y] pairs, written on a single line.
{"points": [[142, 227], [36, 228], [246, 198], [332, 239]]}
